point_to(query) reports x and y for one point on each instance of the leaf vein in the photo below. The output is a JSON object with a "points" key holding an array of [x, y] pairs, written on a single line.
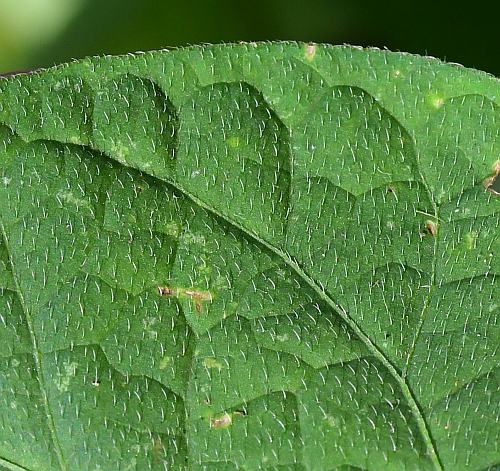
{"points": [[377, 353], [37, 356]]}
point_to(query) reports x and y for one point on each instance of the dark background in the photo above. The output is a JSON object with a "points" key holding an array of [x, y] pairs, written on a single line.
{"points": [[46, 32]]}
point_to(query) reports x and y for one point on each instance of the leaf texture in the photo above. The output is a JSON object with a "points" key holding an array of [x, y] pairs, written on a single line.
{"points": [[272, 256]]}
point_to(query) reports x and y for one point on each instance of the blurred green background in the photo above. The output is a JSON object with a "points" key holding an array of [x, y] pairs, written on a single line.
{"points": [[36, 33]]}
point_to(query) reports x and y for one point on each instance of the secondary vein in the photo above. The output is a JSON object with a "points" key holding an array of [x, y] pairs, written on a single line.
{"points": [[11, 465], [425, 307], [37, 355], [377, 353]]}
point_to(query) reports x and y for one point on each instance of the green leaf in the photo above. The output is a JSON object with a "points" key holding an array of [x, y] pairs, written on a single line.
{"points": [[269, 256]]}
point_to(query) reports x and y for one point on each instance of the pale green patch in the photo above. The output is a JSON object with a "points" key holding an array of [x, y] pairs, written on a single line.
{"points": [[64, 377], [470, 240], [69, 198], [282, 338], [121, 151], [165, 362], [331, 421], [212, 363], [191, 238], [172, 229]]}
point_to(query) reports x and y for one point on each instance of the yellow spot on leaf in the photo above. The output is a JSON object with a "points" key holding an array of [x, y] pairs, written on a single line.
{"points": [[165, 361], [211, 362], [75, 140], [436, 101], [233, 141]]}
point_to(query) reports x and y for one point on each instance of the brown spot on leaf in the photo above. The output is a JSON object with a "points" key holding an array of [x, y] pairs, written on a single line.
{"points": [[431, 228], [490, 184], [166, 291], [197, 296], [158, 450], [221, 422]]}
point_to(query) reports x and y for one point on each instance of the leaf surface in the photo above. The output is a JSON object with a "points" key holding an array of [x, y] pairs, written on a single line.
{"points": [[270, 256]]}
